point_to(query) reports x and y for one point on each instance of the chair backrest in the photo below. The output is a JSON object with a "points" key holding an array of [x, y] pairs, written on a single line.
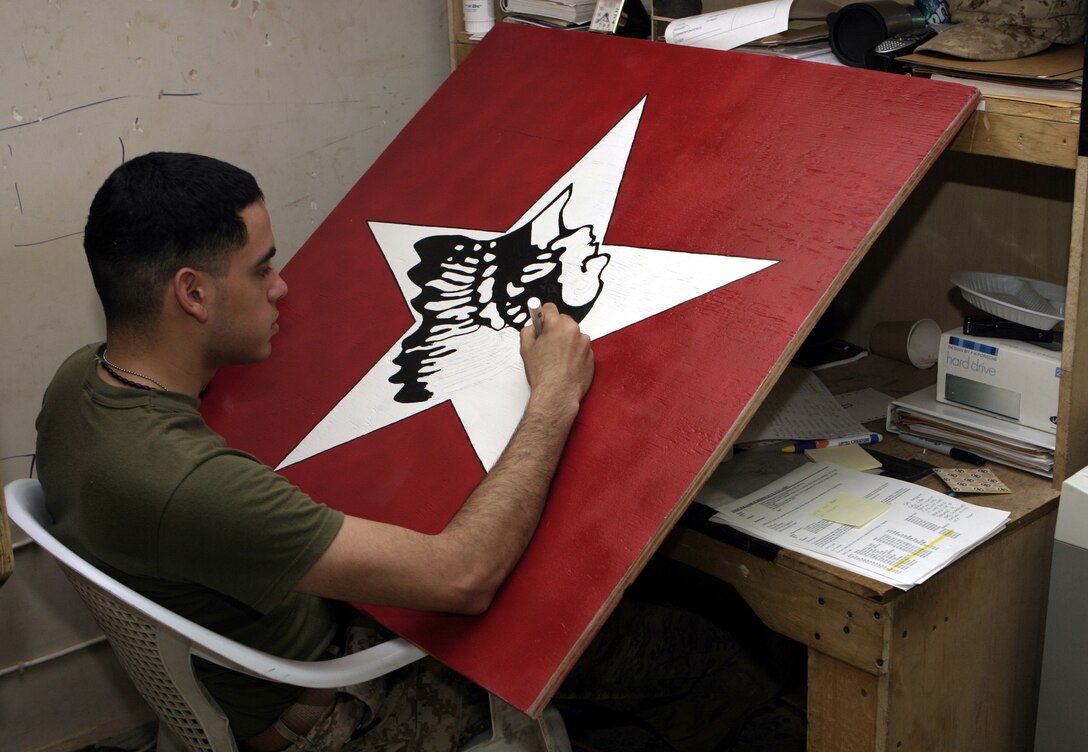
{"points": [[159, 664], [28, 510], [157, 659]]}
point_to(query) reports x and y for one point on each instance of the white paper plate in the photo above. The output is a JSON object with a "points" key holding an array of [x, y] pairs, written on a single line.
{"points": [[1025, 301]]}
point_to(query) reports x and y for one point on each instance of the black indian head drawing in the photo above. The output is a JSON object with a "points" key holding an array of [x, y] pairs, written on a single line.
{"points": [[467, 284]]}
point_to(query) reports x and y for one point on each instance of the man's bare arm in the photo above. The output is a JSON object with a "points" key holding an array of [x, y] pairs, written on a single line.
{"points": [[460, 569]]}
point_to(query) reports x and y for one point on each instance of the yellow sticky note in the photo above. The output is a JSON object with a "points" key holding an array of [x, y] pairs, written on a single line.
{"points": [[854, 511], [849, 455]]}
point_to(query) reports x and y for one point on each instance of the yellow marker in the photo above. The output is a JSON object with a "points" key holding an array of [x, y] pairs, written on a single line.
{"points": [[932, 543]]}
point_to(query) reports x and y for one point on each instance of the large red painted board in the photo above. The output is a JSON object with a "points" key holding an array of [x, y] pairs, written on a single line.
{"points": [[796, 162]]}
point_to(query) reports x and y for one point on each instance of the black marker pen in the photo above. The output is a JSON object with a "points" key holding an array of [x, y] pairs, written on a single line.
{"points": [[954, 452]]}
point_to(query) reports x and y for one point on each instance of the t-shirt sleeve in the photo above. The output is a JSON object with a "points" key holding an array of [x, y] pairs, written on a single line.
{"points": [[237, 527]]}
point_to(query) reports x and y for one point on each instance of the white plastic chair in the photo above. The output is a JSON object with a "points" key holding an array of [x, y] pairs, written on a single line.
{"points": [[155, 646]]}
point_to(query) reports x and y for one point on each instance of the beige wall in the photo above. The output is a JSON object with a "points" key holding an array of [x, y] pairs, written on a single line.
{"points": [[303, 93]]}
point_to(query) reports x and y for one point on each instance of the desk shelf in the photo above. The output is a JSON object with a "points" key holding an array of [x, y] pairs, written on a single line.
{"points": [[950, 664]]}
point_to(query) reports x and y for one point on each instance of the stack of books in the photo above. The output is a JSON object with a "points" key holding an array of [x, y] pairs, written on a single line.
{"points": [[565, 14]]}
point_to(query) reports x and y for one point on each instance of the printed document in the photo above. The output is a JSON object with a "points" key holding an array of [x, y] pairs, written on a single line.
{"points": [[918, 532]]}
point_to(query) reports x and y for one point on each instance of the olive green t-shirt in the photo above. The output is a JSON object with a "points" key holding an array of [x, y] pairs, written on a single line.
{"points": [[138, 484]]}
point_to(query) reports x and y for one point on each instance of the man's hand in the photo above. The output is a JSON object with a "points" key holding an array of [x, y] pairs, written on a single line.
{"points": [[558, 361]]}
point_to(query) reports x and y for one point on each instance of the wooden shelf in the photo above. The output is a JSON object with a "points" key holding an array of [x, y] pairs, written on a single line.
{"points": [[1028, 132]]}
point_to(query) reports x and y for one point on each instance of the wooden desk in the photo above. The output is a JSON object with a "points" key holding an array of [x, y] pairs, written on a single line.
{"points": [[951, 664]]}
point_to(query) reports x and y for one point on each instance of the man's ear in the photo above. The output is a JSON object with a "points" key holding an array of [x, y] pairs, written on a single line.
{"points": [[190, 289]]}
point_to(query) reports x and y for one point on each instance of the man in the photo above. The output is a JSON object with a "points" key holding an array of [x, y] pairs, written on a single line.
{"points": [[181, 251]]}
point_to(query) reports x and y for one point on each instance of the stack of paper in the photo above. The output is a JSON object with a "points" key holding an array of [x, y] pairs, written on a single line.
{"points": [[1054, 75], [800, 407], [995, 439], [803, 39], [886, 529], [773, 24]]}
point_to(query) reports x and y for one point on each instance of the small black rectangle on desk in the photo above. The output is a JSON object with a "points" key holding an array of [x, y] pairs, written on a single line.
{"points": [[896, 467], [697, 518]]}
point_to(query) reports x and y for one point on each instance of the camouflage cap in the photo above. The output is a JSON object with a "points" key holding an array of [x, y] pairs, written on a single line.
{"points": [[1007, 29]]}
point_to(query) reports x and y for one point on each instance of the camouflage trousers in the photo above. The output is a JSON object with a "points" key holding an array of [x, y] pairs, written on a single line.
{"points": [[422, 707], [674, 670]]}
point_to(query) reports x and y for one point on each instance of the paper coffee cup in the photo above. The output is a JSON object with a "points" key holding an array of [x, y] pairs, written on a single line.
{"points": [[914, 342]]}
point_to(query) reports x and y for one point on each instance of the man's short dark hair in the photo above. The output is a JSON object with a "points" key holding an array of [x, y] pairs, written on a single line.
{"points": [[155, 214]]}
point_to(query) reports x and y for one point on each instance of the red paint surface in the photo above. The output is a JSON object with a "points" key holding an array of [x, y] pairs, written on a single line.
{"points": [[736, 154]]}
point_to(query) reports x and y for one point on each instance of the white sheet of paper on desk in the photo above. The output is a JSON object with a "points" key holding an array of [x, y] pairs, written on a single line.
{"points": [[726, 29], [800, 407], [921, 532]]}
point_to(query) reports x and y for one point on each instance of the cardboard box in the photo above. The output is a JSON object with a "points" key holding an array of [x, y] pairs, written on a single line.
{"points": [[1016, 381]]}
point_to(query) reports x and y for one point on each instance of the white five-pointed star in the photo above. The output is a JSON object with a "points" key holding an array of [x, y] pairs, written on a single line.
{"points": [[484, 379]]}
